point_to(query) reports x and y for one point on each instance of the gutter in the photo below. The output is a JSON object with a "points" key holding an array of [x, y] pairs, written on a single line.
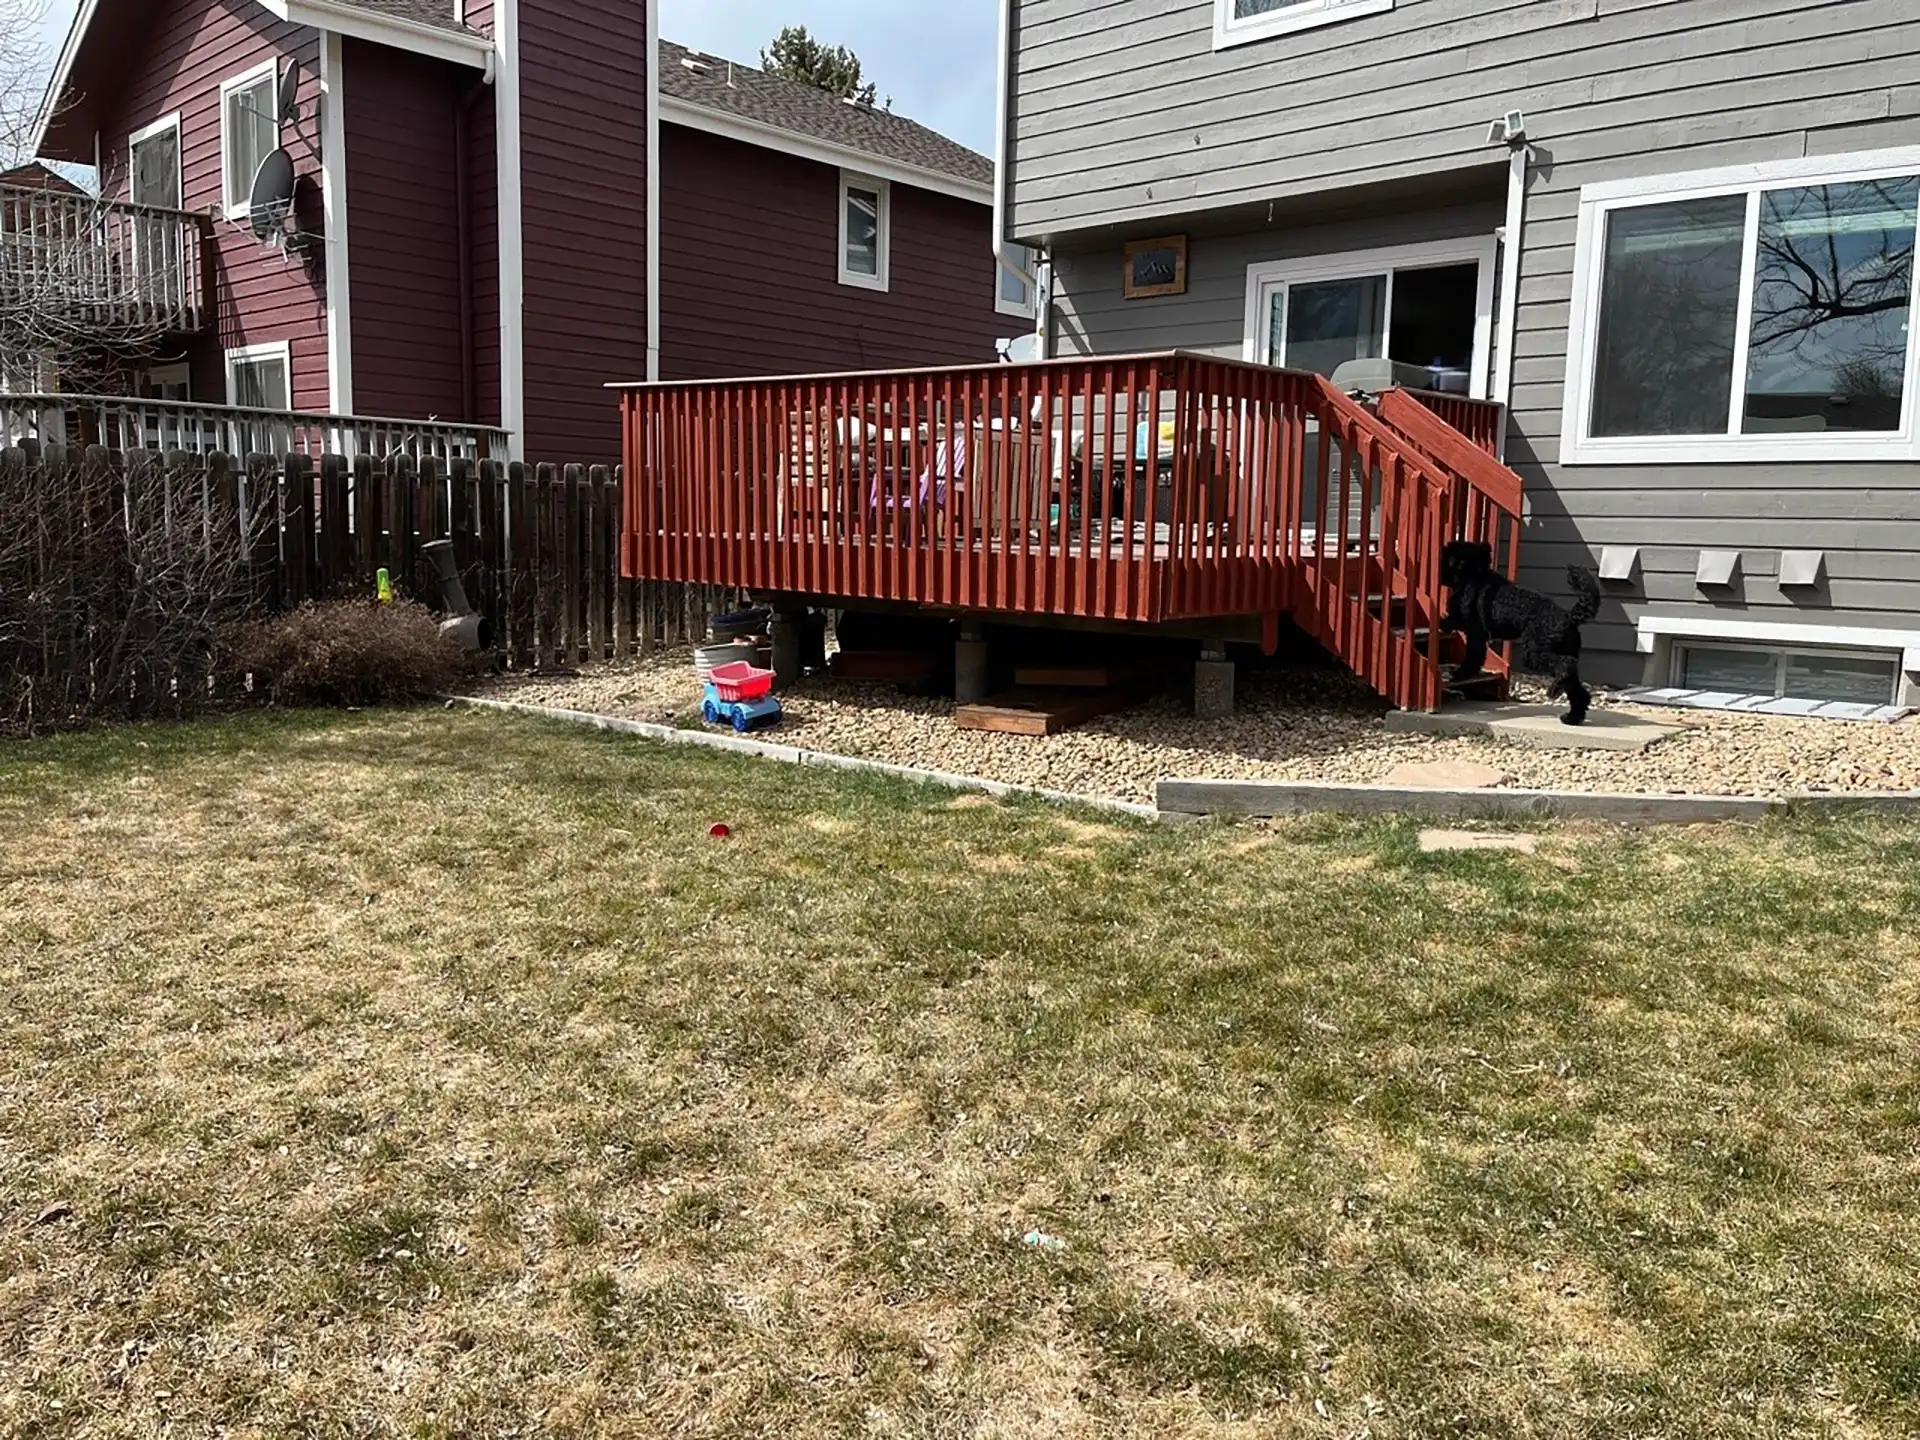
{"points": [[1513, 246]]}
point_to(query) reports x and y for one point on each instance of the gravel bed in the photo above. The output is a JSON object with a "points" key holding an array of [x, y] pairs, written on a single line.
{"points": [[1290, 725]]}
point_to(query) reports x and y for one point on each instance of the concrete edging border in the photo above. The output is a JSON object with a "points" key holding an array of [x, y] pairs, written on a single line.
{"points": [[1277, 798], [1180, 800], [791, 755]]}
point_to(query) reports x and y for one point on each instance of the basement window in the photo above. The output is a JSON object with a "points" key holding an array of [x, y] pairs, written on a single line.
{"points": [[1236, 22], [1801, 679]]}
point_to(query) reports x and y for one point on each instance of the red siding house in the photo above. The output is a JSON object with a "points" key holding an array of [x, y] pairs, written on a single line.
{"points": [[499, 208]]}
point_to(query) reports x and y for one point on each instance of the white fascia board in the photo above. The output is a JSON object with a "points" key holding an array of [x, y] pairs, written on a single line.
{"points": [[772, 137], [62, 73], [1776, 632], [429, 40]]}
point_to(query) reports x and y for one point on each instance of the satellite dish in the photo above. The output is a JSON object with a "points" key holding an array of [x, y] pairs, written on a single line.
{"points": [[289, 93], [271, 199], [1023, 351]]}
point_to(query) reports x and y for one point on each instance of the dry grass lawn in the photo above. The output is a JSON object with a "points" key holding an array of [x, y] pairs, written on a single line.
{"points": [[436, 1075]]}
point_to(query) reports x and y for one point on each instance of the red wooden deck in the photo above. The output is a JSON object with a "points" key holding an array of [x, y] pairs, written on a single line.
{"points": [[1151, 488]]}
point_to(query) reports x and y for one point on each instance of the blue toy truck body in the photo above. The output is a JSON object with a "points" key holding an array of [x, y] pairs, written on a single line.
{"points": [[743, 715]]}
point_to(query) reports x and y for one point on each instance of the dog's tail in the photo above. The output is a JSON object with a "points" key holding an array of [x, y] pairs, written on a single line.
{"points": [[1588, 586]]}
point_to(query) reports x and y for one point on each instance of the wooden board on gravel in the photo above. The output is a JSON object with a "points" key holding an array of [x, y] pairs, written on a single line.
{"points": [[1031, 711]]}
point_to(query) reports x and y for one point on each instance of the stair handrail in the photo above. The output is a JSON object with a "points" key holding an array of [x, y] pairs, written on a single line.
{"points": [[1474, 465]]}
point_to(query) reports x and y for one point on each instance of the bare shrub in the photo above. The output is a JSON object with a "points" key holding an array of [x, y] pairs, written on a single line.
{"points": [[348, 653], [116, 583]]}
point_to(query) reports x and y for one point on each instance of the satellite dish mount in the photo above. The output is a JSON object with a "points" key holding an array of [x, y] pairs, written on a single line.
{"points": [[270, 202]]}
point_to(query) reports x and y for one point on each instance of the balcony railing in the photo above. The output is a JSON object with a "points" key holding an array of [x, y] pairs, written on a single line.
{"points": [[126, 424], [99, 266]]}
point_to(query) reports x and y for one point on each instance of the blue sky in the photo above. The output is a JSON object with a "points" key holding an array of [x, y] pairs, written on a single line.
{"points": [[935, 60]]}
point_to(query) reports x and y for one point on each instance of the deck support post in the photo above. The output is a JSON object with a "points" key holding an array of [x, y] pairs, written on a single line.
{"points": [[972, 666], [1213, 683], [789, 636]]}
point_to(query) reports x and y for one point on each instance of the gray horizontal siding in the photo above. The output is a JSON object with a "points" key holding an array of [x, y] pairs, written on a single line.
{"points": [[1126, 118], [1124, 111], [1092, 315]]}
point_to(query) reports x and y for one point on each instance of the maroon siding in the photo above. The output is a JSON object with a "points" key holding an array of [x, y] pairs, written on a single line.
{"points": [[483, 242], [750, 270], [190, 47], [583, 124], [404, 231]]}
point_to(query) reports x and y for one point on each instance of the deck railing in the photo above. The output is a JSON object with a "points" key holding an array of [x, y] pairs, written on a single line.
{"points": [[1153, 488], [101, 266], [128, 424], [1484, 422]]}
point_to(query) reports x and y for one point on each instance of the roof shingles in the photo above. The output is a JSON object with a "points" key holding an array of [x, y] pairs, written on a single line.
{"points": [[750, 94], [741, 91], [440, 14]]}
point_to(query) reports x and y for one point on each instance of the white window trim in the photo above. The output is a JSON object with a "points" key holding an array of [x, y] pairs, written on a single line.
{"points": [[148, 132], [1230, 30], [1682, 630], [1597, 202], [851, 180], [1004, 306], [242, 208], [1782, 655], [1481, 250], [280, 350], [178, 373]]}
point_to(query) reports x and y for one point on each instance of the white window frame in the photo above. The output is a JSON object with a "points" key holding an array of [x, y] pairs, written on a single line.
{"points": [[1230, 29], [1782, 656], [149, 132], [1004, 306], [242, 208], [1482, 250], [853, 180], [1597, 202], [178, 373], [280, 350]]}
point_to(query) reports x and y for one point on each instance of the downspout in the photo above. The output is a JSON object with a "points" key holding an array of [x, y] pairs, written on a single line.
{"points": [[1000, 138], [1513, 246], [653, 189], [463, 213]]}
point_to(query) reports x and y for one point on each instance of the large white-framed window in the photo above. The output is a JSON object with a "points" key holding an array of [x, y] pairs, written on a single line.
{"points": [[1236, 22], [866, 230], [1758, 313], [1012, 295], [260, 377], [1429, 306], [249, 132]]}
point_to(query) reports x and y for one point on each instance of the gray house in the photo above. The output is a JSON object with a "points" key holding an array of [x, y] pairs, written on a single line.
{"points": [[1674, 237]]}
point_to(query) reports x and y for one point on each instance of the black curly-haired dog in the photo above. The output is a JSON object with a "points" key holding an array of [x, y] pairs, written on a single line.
{"points": [[1485, 606]]}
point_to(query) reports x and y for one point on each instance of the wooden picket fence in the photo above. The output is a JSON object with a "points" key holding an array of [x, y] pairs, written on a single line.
{"points": [[537, 546]]}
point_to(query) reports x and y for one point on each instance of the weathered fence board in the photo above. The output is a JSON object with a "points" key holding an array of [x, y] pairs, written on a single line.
{"points": [[538, 547]]}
